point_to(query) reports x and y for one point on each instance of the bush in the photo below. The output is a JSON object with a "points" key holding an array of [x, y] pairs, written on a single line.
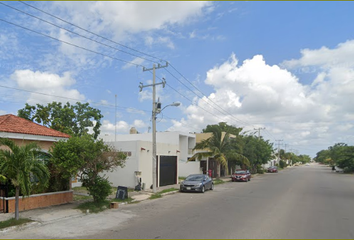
{"points": [[347, 170], [99, 189], [260, 170], [282, 164]]}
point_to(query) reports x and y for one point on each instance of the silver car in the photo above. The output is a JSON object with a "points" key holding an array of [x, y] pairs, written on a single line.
{"points": [[197, 183]]}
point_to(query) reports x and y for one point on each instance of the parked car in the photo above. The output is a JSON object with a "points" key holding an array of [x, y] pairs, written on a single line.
{"points": [[273, 169], [197, 183], [241, 175]]}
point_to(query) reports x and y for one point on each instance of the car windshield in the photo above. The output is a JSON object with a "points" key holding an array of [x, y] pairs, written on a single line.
{"points": [[240, 172], [194, 178]]}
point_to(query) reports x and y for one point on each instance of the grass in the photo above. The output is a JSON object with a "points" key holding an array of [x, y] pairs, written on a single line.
{"points": [[82, 198], [218, 181], [94, 207], [127, 200], [159, 194], [80, 189], [14, 222]]}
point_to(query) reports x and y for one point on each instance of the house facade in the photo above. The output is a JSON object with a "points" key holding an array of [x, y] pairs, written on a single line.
{"points": [[173, 151], [209, 165], [22, 132]]}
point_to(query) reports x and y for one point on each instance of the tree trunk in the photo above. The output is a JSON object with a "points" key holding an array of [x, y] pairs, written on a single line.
{"points": [[17, 196]]}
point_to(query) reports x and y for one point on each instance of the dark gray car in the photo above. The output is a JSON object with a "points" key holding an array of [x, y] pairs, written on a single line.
{"points": [[197, 183]]}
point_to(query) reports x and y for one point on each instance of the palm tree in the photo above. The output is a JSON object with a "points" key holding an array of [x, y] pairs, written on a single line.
{"points": [[220, 147], [21, 165]]}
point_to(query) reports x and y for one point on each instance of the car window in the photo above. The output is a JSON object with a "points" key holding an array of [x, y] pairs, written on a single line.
{"points": [[194, 178], [240, 172]]}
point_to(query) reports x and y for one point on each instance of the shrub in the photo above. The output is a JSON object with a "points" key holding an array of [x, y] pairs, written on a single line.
{"points": [[99, 189], [347, 170], [282, 164], [260, 170]]}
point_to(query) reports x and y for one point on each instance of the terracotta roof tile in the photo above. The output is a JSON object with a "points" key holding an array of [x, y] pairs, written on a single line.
{"points": [[12, 124]]}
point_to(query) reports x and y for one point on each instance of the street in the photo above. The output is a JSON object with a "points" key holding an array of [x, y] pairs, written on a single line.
{"points": [[302, 202]]}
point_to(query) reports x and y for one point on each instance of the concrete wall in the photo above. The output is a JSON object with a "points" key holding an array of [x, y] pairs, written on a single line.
{"points": [[39, 200], [186, 168], [140, 160]]}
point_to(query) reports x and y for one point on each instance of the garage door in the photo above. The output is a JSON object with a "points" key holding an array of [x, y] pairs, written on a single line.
{"points": [[168, 170]]}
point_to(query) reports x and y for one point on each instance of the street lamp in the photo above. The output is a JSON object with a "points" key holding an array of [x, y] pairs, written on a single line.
{"points": [[156, 110]]}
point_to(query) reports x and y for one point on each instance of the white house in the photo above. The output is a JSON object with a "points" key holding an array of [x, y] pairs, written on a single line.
{"points": [[173, 151]]}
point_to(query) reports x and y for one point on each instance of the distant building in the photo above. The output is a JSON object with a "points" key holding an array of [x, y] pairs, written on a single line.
{"points": [[173, 151]]}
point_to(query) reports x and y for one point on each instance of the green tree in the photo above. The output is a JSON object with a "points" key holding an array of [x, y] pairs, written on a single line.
{"points": [[257, 150], [322, 156], [21, 165], [88, 158], [346, 161], [70, 119]]}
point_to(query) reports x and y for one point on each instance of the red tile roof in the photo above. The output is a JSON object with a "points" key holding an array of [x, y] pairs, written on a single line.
{"points": [[12, 124]]}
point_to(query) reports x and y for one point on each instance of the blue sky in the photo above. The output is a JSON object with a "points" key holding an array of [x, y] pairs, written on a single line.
{"points": [[283, 66]]}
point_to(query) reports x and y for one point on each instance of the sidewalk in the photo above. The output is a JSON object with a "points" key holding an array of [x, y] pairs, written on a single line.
{"points": [[67, 211]]}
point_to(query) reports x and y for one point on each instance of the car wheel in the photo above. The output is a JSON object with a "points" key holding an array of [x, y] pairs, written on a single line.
{"points": [[232, 180], [249, 179], [212, 186], [202, 190]]}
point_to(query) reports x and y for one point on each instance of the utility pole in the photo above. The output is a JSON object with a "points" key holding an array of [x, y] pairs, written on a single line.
{"points": [[280, 140], [153, 85], [259, 131], [115, 120]]}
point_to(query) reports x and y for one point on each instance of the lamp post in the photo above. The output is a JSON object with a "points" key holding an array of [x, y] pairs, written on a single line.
{"points": [[156, 111]]}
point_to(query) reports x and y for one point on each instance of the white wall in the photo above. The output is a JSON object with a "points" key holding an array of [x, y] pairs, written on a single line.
{"points": [[125, 176], [141, 160], [186, 168]]}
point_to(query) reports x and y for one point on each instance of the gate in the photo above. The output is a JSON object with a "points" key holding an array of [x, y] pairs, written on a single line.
{"points": [[168, 170], [4, 188]]}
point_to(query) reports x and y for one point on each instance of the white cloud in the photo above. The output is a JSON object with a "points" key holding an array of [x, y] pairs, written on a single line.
{"points": [[256, 93], [52, 86], [108, 127], [341, 56], [140, 124], [133, 63]]}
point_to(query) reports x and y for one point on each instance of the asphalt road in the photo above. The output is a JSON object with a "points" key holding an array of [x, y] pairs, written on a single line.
{"points": [[303, 202]]}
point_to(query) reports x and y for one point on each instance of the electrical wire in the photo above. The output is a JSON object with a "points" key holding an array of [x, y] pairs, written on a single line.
{"points": [[95, 34], [68, 43]]}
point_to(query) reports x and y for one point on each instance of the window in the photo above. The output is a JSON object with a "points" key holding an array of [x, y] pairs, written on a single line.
{"points": [[128, 154]]}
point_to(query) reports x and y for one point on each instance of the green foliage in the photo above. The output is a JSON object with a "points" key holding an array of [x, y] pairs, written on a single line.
{"points": [[218, 181], [21, 165], [99, 188], [260, 170], [87, 157], [159, 194], [340, 154], [220, 146], [223, 127], [13, 222], [256, 149], [70, 119], [94, 207], [282, 164]]}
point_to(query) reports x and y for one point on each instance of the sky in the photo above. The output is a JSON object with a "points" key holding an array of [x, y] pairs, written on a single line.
{"points": [[285, 68]]}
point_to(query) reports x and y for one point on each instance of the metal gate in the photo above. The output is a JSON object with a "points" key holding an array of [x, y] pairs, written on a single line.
{"points": [[168, 170], [4, 188]]}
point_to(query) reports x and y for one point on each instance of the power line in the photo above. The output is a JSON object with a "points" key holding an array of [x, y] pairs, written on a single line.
{"points": [[68, 30], [68, 43], [75, 99], [95, 34], [219, 107]]}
